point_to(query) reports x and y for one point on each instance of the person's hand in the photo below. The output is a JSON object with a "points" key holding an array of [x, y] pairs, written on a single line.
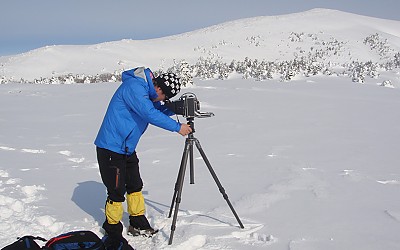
{"points": [[185, 129]]}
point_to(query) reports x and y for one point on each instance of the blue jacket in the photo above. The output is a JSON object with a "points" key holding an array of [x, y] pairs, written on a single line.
{"points": [[130, 111]]}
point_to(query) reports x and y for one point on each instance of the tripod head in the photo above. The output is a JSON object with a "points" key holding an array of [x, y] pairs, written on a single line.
{"points": [[190, 122]]}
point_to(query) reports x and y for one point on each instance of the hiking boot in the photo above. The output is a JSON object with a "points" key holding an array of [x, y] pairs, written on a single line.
{"points": [[149, 232], [139, 222]]}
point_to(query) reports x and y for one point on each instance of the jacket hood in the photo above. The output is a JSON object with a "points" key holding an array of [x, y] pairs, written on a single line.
{"points": [[145, 74]]}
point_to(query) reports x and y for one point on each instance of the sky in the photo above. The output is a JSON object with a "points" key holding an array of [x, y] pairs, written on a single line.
{"points": [[27, 25]]}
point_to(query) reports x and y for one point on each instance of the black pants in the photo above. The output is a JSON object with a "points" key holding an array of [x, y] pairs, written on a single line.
{"points": [[119, 173]]}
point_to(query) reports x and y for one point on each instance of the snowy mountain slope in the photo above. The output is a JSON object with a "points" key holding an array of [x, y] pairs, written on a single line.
{"points": [[338, 36]]}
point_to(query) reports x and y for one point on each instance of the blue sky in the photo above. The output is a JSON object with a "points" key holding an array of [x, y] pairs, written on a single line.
{"points": [[29, 24]]}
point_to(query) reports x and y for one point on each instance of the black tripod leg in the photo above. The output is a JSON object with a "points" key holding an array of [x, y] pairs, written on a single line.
{"points": [[182, 166], [191, 161], [178, 189], [214, 175]]}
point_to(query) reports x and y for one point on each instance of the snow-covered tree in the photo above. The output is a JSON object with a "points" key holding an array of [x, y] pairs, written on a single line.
{"points": [[185, 73]]}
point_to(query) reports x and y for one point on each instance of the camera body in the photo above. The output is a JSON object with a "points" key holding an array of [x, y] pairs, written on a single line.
{"points": [[188, 106]]}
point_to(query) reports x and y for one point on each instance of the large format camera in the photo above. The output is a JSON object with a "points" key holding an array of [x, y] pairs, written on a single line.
{"points": [[188, 106]]}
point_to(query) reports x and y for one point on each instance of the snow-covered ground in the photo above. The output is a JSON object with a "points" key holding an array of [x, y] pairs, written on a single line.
{"points": [[310, 164]]}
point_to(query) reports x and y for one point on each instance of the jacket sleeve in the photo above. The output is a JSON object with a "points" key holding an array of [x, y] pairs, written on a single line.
{"points": [[163, 108], [136, 96]]}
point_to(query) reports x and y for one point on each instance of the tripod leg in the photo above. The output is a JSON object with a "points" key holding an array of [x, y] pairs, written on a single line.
{"points": [[214, 175], [178, 189], [191, 164], [180, 175]]}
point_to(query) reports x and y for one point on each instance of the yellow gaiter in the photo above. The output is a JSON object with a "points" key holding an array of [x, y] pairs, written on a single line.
{"points": [[114, 211], [135, 203]]}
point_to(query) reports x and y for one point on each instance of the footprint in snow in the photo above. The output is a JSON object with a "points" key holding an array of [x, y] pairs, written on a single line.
{"points": [[3, 174], [251, 236], [24, 150], [18, 209], [78, 160], [72, 159], [33, 151], [194, 242], [347, 172], [308, 169], [7, 148], [65, 152], [389, 182]]}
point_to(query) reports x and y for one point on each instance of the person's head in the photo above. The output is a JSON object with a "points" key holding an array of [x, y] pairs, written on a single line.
{"points": [[167, 85]]}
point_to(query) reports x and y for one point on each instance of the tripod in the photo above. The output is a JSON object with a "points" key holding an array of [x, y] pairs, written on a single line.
{"points": [[188, 153]]}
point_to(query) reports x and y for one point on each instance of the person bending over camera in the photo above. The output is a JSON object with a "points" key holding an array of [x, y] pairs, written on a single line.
{"points": [[134, 105]]}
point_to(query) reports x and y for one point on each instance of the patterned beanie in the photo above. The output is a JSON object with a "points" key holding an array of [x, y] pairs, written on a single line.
{"points": [[170, 84]]}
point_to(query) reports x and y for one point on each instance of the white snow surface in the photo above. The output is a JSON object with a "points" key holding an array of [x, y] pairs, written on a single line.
{"points": [[311, 164], [307, 164]]}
